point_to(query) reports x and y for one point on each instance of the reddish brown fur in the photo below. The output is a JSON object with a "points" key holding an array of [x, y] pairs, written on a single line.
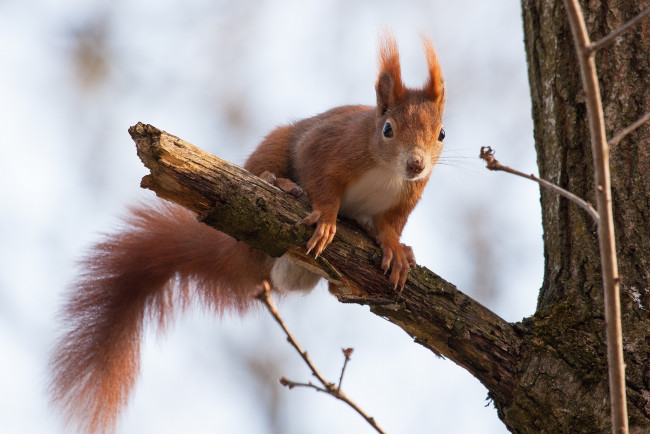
{"points": [[164, 259], [389, 63], [434, 89], [339, 137], [273, 154]]}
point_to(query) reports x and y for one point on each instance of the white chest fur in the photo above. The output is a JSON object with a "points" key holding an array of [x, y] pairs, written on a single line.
{"points": [[374, 193]]}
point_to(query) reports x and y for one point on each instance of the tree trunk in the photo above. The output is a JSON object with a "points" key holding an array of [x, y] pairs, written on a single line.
{"points": [[562, 383]]}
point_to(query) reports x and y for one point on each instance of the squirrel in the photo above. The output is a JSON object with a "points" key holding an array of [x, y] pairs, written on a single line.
{"points": [[366, 163]]}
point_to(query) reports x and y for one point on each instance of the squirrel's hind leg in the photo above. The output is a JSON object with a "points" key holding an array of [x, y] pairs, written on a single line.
{"points": [[287, 275]]}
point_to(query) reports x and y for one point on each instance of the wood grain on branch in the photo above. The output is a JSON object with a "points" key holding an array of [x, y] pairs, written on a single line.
{"points": [[429, 309]]}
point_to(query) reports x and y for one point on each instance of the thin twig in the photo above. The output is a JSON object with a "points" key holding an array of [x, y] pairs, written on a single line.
{"points": [[291, 384], [606, 240], [265, 297], [606, 39], [624, 132], [487, 154], [347, 352]]}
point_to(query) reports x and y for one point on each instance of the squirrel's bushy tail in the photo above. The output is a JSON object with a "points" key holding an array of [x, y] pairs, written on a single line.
{"points": [[162, 260]]}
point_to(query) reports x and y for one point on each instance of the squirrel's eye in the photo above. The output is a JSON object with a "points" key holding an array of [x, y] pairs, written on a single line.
{"points": [[388, 130], [441, 136]]}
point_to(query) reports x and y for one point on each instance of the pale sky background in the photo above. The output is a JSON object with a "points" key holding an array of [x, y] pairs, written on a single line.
{"points": [[75, 75]]}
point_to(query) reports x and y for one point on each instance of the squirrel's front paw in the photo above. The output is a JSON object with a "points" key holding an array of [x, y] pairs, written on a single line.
{"points": [[399, 257], [323, 234]]}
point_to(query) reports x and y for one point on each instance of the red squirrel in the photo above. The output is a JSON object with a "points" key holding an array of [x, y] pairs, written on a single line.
{"points": [[366, 163]]}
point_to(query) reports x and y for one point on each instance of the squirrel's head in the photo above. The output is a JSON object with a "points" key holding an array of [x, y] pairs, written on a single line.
{"points": [[408, 131]]}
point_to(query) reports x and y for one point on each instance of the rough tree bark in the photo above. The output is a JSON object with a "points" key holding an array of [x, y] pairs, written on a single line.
{"points": [[547, 373]]}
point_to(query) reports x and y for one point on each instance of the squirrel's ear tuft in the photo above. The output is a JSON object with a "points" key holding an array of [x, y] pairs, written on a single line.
{"points": [[389, 86], [434, 88]]}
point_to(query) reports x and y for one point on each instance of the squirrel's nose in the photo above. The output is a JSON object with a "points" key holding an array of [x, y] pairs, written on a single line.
{"points": [[415, 166]]}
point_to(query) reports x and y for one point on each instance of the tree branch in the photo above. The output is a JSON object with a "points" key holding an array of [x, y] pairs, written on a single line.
{"points": [[429, 309], [606, 39], [627, 130], [264, 296], [487, 154], [330, 388], [606, 240]]}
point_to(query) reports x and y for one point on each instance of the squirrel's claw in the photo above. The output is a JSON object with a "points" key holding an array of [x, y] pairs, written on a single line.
{"points": [[323, 235], [399, 259]]}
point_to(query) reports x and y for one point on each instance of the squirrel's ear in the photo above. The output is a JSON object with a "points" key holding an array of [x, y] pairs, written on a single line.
{"points": [[385, 96], [434, 88], [389, 87]]}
